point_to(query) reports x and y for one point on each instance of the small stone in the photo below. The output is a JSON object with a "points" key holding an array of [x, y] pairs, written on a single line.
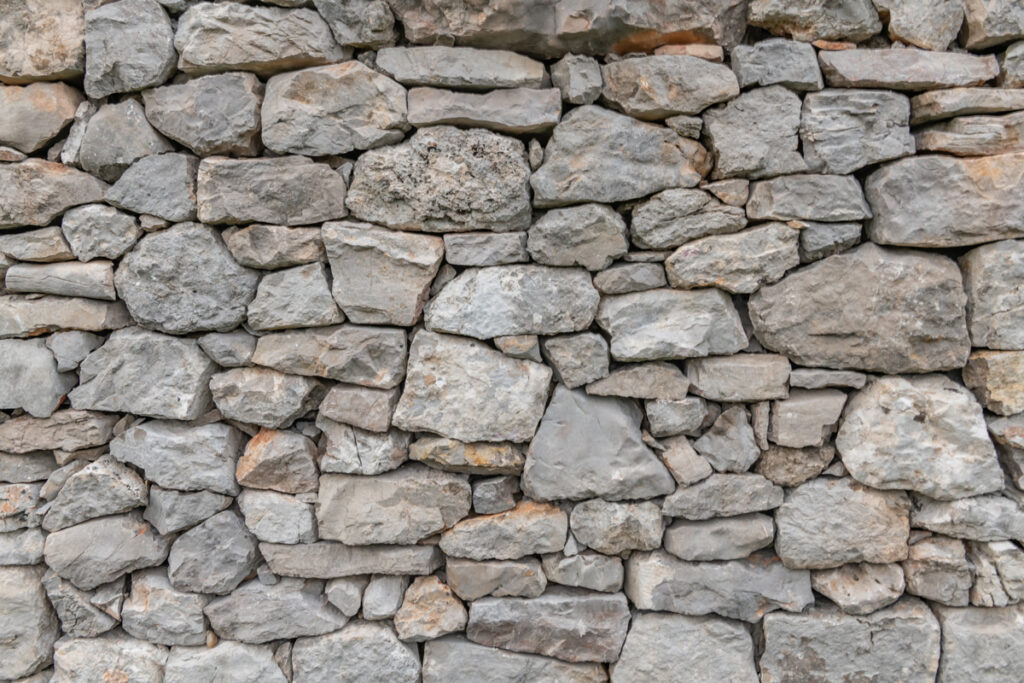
{"points": [[485, 248], [346, 593], [614, 528], [445, 659], [777, 61], [937, 569], [995, 305], [213, 557], [274, 517], [732, 538], [22, 547], [31, 116], [108, 657], [171, 511], [39, 191], [429, 611], [729, 445], [501, 578], [248, 662], [362, 651], [928, 24], [828, 198], [687, 126], [806, 418], [517, 111], [332, 560], [527, 529], [470, 458], [768, 251], [296, 297], [816, 19], [673, 84], [944, 104], [383, 596], [740, 378], [362, 407], [29, 378], [351, 450], [995, 378], [279, 460], [860, 588], [496, 494], [663, 381], [819, 240], [816, 378], [723, 495], [162, 185], [683, 462], [578, 77], [624, 278], [42, 42], [156, 612], [103, 487], [981, 518], [1008, 435], [18, 506], [128, 46], [92, 280], [117, 136], [99, 231], [588, 570], [27, 467], [46, 245], [577, 359], [255, 613], [271, 247], [590, 235], [906, 69], [522, 346], [793, 466], [68, 430]]}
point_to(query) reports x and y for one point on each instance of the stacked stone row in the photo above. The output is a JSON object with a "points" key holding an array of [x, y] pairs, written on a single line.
{"points": [[366, 340]]}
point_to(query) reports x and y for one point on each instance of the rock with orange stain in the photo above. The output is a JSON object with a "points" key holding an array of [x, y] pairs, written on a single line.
{"points": [[264, 397], [33, 115], [527, 529], [808, 20], [18, 503], [1008, 435], [157, 612], [41, 40], [738, 263], [997, 379], [430, 610], [37, 191], [279, 460], [514, 578], [470, 458]]}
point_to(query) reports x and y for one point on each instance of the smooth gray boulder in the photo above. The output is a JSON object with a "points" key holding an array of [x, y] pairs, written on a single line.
{"points": [[91, 280]]}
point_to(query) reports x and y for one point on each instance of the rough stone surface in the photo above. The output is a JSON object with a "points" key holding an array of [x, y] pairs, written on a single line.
{"points": [[747, 378], [777, 61], [732, 538], [430, 610], [99, 231], [39, 191], [117, 136], [249, 662], [577, 359], [157, 612], [993, 302], [362, 651], [613, 528], [516, 111], [35, 114], [213, 557], [501, 578], [723, 495], [826, 198], [42, 41], [590, 235], [673, 84], [448, 658], [860, 588], [291, 608], [524, 530], [811, 20], [738, 263], [29, 624], [676, 216], [103, 487], [461, 68], [162, 185], [128, 46]]}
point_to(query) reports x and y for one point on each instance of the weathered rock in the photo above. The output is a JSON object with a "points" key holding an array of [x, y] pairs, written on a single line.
{"points": [[331, 560], [931, 24], [469, 458], [672, 84], [33, 115], [346, 593], [38, 191], [578, 77], [429, 611], [66, 430], [793, 466], [296, 297], [485, 248], [719, 539], [945, 104], [740, 378], [522, 346], [647, 380], [818, 240], [445, 659], [1008, 435], [624, 278], [383, 596], [79, 618], [591, 235], [444, 179], [993, 299], [496, 494], [92, 280], [517, 111], [980, 643], [248, 662], [729, 446], [998, 570], [362, 407], [906, 69], [738, 263], [363, 23], [777, 62], [46, 245], [274, 517], [590, 570], [577, 359], [683, 462], [103, 487], [117, 136], [255, 613], [42, 42], [18, 505], [596, 155], [613, 528], [860, 588], [991, 23], [973, 135], [279, 460], [806, 418], [362, 651], [899, 311], [812, 20], [271, 247], [22, 547], [501, 578], [723, 495], [29, 624], [157, 612], [815, 378], [937, 569], [1012, 66], [29, 378], [162, 185], [264, 397], [676, 216], [171, 511], [109, 657], [213, 557], [99, 231], [351, 450], [828, 198], [27, 467], [128, 46], [527, 529], [982, 518], [461, 68]]}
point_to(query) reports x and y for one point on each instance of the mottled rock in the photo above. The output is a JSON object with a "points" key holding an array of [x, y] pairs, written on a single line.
{"points": [[937, 569], [162, 185], [672, 84], [860, 588], [980, 643], [527, 529], [213, 557], [517, 111], [99, 231], [844, 130], [157, 612], [793, 466], [362, 651], [429, 611], [723, 495], [351, 450], [495, 494], [816, 378], [247, 662], [362, 23], [461, 68], [448, 658], [998, 573], [613, 528], [39, 191], [332, 560], [591, 235], [66, 430], [18, 505], [469, 458], [42, 41], [270, 247], [811, 20], [732, 538], [624, 278], [118, 135], [485, 248], [683, 462], [104, 487], [994, 302], [1008, 435], [171, 511], [944, 104], [46, 245], [29, 378], [906, 69], [1012, 67], [777, 61], [982, 518], [827, 198], [590, 570], [128, 46], [928, 24], [578, 77], [22, 547], [988, 23], [255, 613], [33, 115], [643, 380], [107, 658], [501, 578], [346, 593], [296, 297], [740, 378], [737, 263]]}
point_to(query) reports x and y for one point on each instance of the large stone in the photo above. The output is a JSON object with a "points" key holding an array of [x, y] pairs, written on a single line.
{"points": [[461, 68], [147, 373], [99, 231], [673, 217], [614, 528], [289, 190], [732, 538], [742, 378], [103, 487], [270, 247], [65, 430], [991, 22], [723, 495], [596, 155], [29, 378], [744, 589], [827, 645], [803, 197], [591, 235], [777, 61], [461, 389], [28, 626], [501, 578], [995, 304], [33, 115], [826, 523], [291, 608], [906, 69], [517, 111], [332, 110], [214, 37], [213, 557], [870, 308], [332, 560], [264, 397], [591, 446], [935, 105], [980, 643], [247, 662], [860, 588], [117, 136], [982, 518], [660, 646], [161, 185], [810, 20], [444, 180], [844, 130], [447, 659], [110, 657], [157, 612], [128, 46], [38, 191], [381, 276], [926, 434], [526, 529], [42, 41], [964, 201], [928, 24], [217, 114], [737, 263], [363, 651], [296, 297], [672, 84]]}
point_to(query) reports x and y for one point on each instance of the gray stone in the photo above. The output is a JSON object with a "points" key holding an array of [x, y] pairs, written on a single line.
{"points": [[577, 359], [99, 231], [485, 248], [448, 658], [656, 381], [729, 445], [672, 84], [362, 23], [270, 247], [818, 240], [29, 378], [217, 114], [501, 578], [973, 135], [994, 302], [296, 297], [346, 593], [171, 511], [980, 643], [430, 610], [280, 460], [255, 613], [687, 126], [92, 280], [860, 588], [739, 589], [79, 618], [27, 467], [732, 538], [527, 529], [590, 235], [982, 518], [128, 46], [351, 450], [998, 573], [935, 105], [332, 560], [811, 20], [162, 185], [332, 109], [33, 115], [1008, 435], [738, 263], [67, 430], [29, 624], [578, 77], [589, 570], [383, 596], [777, 62], [683, 462], [362, 407], [444, 179], [741, 378], [898, 311], [937, 569], [381, 276], [22, 547], [816, 378], [290, 190], [991, 23], [117, 136], [522, 346], [470, 458], [928, 24], [596, 155], [229, 349], [1011, 66], [109, 657], [624, 278], [906, 69], [826, 523], [46, 245], [793, 466], [614, 528], [723, 495], [843, 646], [157, 612], [213, 557], [828, 198], [38, 191], [104, 487], [806, 418], [665, 324], [362, 652], [461, 68], [42, 42], [495, 494], [274, 517], [18, 506], [246, 662], [517, 111]]}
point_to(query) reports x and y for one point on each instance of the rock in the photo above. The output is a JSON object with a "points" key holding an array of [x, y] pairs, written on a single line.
{"points": [[589, 446], [973, 135], [429, 611], [279, 460], [255, 613], [596, 155], [673, 84], [331, 560], [229, 349], [31, 116], [248, 662], [162, 185], [578, 78], [360, 253], [980, 642], [28, 467], [827, 198], [860, 588], [117, 136], [112, 656], [264, 397], [346, 593], [470, 458], [46, 245], [806, 418], [584, 570], [723, 495], [402, 506], [993, 300], [1012, 67], [383, 596], [926, 434], [367, 356], [705, 647], [527, 529], [156, 612], [101, 550], [274, 517], [93, 280], [65, 430], [485, 248], [362, 651], [332, 110], [22, 547], [683, 462], [991, 23], [931, 25], [270, 247], [982, 518], [905, 69], [613, 528], [729, 445], [99, 231], [577, 358], [42, 42], [500, 578], [657, 380], [365, 23], [815, 378], [1008, 435], [793, 466], [213, 557], [146, 372], [522, 346], [289, 190], [181, 457], [884, 324], [937, 569], [768, 251], [128, 46], [18, 506], [447, 658], [732, 538], [739, 589], [843, 646], [591, 235], [818, 240], [994, 377], [755, 135], [39, 191], [571, 625], [79, 618], [997, 573], [296, 297], [217, 114], [171, 511], [777, 61], [516, 111], [461, 68], [816, 19], [741, 378], [966, 201], [29, 624], [945, 104], [350, 450], [217, 37], [104, 487], [362, 407], [444, 179], [624, 278], [472, 375], [495, 494], [29, 377], [664, 324]]}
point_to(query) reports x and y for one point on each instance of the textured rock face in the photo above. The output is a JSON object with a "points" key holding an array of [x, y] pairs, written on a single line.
{"points": [[38, 191], [128, 46], [29, 625], [42, 41], [741, 262], [461, 68], [674, 84], [35, 114], [993, 303], [810, 20], [905, 69]]}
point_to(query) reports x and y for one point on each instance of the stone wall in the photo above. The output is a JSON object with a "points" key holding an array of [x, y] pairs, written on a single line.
{"points": [[466, 340]]}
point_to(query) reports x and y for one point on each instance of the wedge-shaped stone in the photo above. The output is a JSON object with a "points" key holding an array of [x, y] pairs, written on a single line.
{"points": [[527, 529], [333, 560], [29, 379], [1008, 435], [362, 651], [826, 198], [732, 538], [111, 656], [37, 191], [596, 155], [730, 444], [470, 458], [290, 608], [41, 42], [279, 460], [995, 304], [906, 69], [982, 518], [116, 136], [587, 569], [448, 658], [33, 115], [673, 217], [44, 245], [128, 46], [501, 578], [672, 84], [723, 495], [738, 263], [461, 389], [945, 104], [213, 557], [65, 430], [161, 185], [517, 111], [980, 643], [264, 397], [871, 308], [643, 380], [810, 20], [103, 487], [79, 617], [171, 511], [429, 610]]}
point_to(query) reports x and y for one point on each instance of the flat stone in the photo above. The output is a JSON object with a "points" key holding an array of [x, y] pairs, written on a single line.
{"points": [[218, 114], [882, 322], [818, 240], [965, 201], [527, 529], [816, 19], [505, 397], [444, 179], [296, 297], [860, 588], [591, 235], [673, 84], [469, 458], [162, 185], [495, 494], [26, 467], [980, 642], [937, 569], [271, 247], [248, 662], [362, 407], [729, 446], [108, 657], [732, 538], [931, 25], [39, 191], [793, 466], [517, 111], [35, 114], [79, 618], [445, 659], [92, 280], [624, 278], [596, 155], [643, 380], [906, 69], [577, 359], [806, 418], [68, 430], [361, 651], [29, 377], [744, 589], [676, 216], [777, 61], [29, 625], [461, 68], [741, 378], [614, 528], [578, 77], [274, 517], [279, 460], [501, 578], [103, 487], [99, 231], [738, 263], [266, 40], [116, 136], [171, 511], [128, 47], [46, 245], [589, 570], [360, 253], [157, 612], [993, 300], [213, 557], [430, 610], [935, 105], [42, 42], [973, 135], [351, 450], [289, 190], [827, 198], [817, 378], [255, 613], [332, 560], [1008, 435], [485, 248], [981, 518], [723, 495], [383, 596]]}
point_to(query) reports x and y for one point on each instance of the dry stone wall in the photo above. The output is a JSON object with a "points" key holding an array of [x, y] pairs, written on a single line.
{"points": [[465, 340]]}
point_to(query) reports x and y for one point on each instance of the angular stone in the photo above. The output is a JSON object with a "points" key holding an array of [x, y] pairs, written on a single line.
{"points": [[274, 517], [46, 245], [777, 61], [1012, 66], [362, 651], [828, 198], [812, 20], [740, 378], [501, 578], [128, 46], [104, 487], [217, 114], [495, 494], [38, 191], [643, 380], [363, 23], [33, 115], [793, 466], [255, 613], [815, 378], [109, 657], [381, 276], [991, 22], [67, 430], [577, 358], [732, 538], [296, 297], [79, 618], [522, 346], [624, 278], [445, 659], [872, 309], [29, 379], [1008, 435], [944, 104], [346, 593], [676, 216], [157, 612], [596, 155], [683, 462], [994, 302], [290, 190], [162, 185], [248, 662], [806, 418], [907, 69], [928, 24], [99, 231], [42, 41], [729, 445], [860, 588], [590, 235], [444, 179], [461, 68], [723, 495], [818, 240], [117, 136], [998, 573], [613, 528], [739, 589], [485, 248], [844, 130], [738, 263], [362, 407], [27, 467], [516, 111], [332, 560], [590, 570], [30, 627], [527, 529], [92, 280], [171, 511], [264, 397], [270, 247], [974, 135], [18, 506], [982, 518], [213, 557], [383, 596], [470, 458], [578, 77], [350, 450], [279, 460], [980, 643], [672, 84], [429, 611]]}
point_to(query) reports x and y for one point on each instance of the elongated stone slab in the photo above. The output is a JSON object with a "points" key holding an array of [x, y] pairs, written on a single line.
{"points": [[326, 560]]}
